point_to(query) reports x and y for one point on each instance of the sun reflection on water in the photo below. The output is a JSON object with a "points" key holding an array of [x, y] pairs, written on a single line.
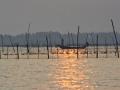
{"points": [[69, 74]]}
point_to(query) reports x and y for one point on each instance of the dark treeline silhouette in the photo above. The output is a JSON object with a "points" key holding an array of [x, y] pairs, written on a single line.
{"points": [[56, 38]]}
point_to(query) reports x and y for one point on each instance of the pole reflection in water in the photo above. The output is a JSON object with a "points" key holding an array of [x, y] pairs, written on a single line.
{"points": [[69, 74]]}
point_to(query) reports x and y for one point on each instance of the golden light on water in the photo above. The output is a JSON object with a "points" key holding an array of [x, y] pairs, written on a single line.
{"points": [[70, 54], [69, 74]]}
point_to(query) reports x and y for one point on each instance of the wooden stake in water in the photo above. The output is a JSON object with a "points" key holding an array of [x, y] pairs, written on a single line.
{"points": [[47, 47], [114, 45], [87, 47], [78, 43], [57, 52], [27, 51], [106, 48], [117, 51], [2, 43], [97, 47], [17, 51], [38, 49]]}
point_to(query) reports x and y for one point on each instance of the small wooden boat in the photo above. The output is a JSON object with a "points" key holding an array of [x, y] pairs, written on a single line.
{"points": [[73, 47]]}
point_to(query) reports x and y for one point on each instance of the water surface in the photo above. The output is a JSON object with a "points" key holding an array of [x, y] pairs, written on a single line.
{"points": [[60, 74]]}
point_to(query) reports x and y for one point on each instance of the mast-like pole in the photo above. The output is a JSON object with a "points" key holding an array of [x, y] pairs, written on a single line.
{"points": [[2, 43], [115, 38], [97, 46], [47, 47], [77, 42], [27, 38]]}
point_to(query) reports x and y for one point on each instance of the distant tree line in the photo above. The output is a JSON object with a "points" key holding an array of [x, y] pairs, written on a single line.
{"points": [[56, 38]]}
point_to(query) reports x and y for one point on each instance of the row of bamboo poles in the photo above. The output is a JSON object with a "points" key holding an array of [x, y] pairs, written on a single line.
{"points": [[49, 45]]}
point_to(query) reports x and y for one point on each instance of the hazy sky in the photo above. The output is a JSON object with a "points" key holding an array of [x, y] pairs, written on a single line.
{"points": [[58, 15]]}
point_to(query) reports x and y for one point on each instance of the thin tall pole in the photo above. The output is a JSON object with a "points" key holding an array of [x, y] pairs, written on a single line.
{"points": [[17, 51], [115, 38], [106, 46], [2, 42], [27, 39], [38, 49], [114, 45], [97, 47], [47, 47], [68, 41], [57, 52], [87, 42], [77, 42]]}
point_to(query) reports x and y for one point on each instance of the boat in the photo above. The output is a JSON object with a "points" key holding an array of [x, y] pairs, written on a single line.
{"points": [[73, 47]]}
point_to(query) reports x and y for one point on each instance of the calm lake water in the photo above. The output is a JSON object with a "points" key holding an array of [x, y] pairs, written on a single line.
{"points": [[59, 74]]}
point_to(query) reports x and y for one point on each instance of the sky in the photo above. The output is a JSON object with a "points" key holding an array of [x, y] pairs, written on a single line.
{"points": [[58, 15]]}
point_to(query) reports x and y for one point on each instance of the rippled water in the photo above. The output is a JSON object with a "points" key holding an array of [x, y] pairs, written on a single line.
{"points": [[60, 74], [70, 74]]}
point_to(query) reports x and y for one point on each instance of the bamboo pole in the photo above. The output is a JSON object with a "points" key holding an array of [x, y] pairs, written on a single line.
{"points": [[38, 49], [106, 48], [114, 45], [27, 40], [87, 47], [47, 47], [117, 51], [78, 43], [57, 52], [97, 47], [17, 51], [2, 43], [27, 51]]}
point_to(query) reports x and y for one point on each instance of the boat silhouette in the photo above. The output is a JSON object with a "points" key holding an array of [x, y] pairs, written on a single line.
{"points": [[73, 47]]}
